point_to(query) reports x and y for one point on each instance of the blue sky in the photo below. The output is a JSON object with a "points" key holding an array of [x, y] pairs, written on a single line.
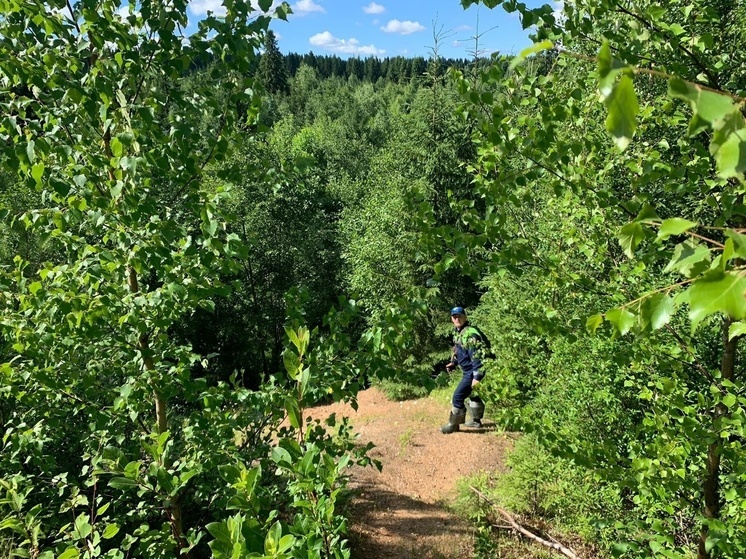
{"points": [[391, 27]]}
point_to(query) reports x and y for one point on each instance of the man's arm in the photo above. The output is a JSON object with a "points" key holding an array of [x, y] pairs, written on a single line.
{"points": [[452, 365]]}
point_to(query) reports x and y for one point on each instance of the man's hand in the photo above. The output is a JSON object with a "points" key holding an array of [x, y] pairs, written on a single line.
{"points": [[450, 367], [474, 382]]}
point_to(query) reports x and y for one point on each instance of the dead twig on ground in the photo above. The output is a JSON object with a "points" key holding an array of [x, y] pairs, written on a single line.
{"points": [[566, 551]]}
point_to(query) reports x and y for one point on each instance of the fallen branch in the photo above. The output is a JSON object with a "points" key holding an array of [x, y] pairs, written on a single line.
{"points": [[567, 552]]}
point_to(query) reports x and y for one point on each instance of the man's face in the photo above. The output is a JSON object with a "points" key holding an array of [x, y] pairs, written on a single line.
{"points": [[458, 320]]}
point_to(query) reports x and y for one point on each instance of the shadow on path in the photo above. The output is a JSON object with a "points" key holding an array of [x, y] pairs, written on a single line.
{"points": [[389, 525]]}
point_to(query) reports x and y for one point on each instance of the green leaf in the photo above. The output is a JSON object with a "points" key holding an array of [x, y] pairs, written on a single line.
{"points": [[69, 553], [116, 147], [304, 335], [13, 524], [305, 377], [690, 259], [594, 322], [31, 151], [623, 108], [658, 310], [621, 319], [630, 236], [728, 146], [736, 329], [708, 106], [647, 214], [729, 400], [265, 5], [533, 49], [608, 69], [674, 226], [37, 172], [272, 541], [293, 410], [739, 242], [727, 254], [110, 531], [229, 472], [165, 480], [122, 483], [281, 456], [292, 363], [219, 531], [82, 527], [293, 336], [716, 292]]}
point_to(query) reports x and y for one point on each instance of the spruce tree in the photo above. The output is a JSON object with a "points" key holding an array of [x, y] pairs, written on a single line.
{"points": [[272, 72]]}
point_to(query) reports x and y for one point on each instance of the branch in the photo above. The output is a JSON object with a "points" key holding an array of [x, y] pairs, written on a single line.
{"points": [[704, 69], [566, 551], [72, 16], [199, 171], [657, 73], [145, 72], [695, 362]]}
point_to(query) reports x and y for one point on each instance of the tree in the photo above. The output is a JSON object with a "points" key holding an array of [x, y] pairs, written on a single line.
{"points": [[554, 146], [272, 73], [144, 453]]}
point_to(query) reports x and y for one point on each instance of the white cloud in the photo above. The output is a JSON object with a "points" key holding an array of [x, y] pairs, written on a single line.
{"points": [[376, 21], [329, 42], [201, 7], [374, 8], [462, 28], [305, 7], [402, 27]]}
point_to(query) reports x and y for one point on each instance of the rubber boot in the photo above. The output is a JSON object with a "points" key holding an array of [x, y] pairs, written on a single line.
{"points": [[457, 417], [475, 409]]}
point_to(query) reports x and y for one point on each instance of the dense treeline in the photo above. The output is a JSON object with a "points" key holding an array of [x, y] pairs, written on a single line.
{"points": [[199, 241], [391, 68]]}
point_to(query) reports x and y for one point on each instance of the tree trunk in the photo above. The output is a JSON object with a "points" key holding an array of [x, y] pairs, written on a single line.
{"points": [[711, 485], [173, 512]]}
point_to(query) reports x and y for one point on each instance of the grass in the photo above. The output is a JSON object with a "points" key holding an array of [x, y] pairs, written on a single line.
{"points": [[405, 439], [400, 391]]}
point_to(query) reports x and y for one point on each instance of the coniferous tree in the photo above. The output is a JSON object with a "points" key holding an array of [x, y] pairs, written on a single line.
{"points": [[272, 73]]}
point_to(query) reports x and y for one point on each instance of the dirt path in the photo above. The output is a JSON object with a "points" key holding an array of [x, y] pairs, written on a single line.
{"points": [[402, 511]]}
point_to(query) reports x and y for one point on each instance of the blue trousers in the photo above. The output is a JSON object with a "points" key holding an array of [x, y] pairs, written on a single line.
{"points": [[462, 391]]}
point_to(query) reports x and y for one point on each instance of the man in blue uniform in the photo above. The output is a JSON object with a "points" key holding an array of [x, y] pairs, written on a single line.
{"points": [[468, 347]]}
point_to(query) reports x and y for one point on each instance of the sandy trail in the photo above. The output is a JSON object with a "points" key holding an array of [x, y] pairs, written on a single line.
{"points": [[403, 512]]}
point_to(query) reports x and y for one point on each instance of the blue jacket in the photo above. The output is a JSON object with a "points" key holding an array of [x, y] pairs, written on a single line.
{"points": [[468, 348]]}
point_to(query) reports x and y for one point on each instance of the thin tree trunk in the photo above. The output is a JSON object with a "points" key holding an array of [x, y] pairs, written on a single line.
{"points": [[173, 512], [711, 485]]}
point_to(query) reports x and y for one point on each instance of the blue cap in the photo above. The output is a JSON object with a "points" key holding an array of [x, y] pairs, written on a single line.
{"points": [[457, 310]]}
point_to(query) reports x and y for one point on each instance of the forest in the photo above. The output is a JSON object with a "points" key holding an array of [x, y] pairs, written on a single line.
{"points": [[201, 238]]}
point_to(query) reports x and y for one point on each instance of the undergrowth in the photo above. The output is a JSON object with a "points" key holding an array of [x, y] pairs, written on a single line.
{"points": [[439, 388], [543, 492]]}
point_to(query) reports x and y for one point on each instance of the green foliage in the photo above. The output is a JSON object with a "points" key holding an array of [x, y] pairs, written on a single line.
{"points": [[398, 391], [538, 484], [126, 182], [271, 72], [639, 239]]}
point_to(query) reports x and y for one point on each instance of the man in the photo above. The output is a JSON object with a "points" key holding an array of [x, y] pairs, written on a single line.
{"points": [[468, 344]]}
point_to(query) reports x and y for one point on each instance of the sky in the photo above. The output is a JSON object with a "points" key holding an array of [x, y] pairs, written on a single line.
{"points": [[384, 28]]}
